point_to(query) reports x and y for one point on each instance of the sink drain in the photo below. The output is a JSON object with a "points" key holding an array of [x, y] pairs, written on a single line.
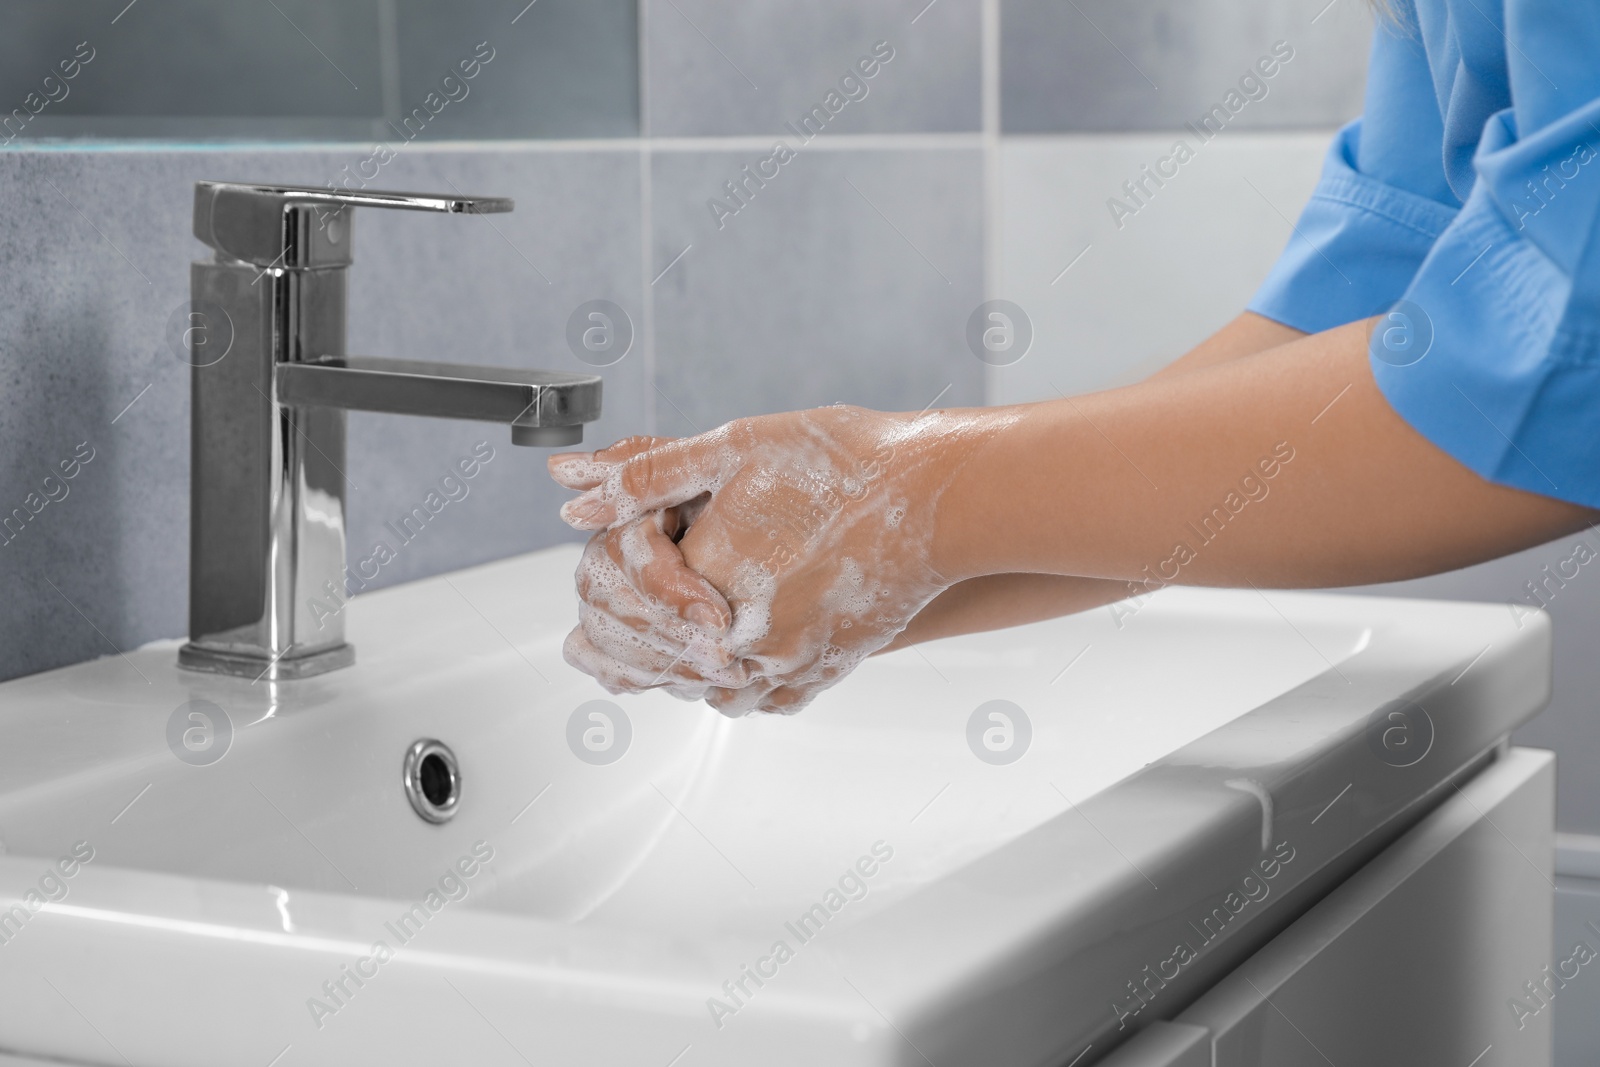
{"points": [[433, 780]]}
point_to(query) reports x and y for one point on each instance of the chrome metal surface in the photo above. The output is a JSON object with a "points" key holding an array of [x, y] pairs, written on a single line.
{"points": [[282, 669], [546, 436], [300, 227], [267, 581], [523, 398], [432, 780]]}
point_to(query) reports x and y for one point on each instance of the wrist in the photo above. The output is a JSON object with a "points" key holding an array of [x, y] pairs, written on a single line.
{"points": [[971, 463]]}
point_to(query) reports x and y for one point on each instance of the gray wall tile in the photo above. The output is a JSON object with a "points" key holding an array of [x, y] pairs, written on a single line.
{"points": [[1102, 65], [1576, 1011], [197, 57], [85, 335], [727, 67], [564, 68], [193, 69], [848, 278]]}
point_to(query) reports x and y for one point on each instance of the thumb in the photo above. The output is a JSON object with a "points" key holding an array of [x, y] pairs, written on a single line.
{"points": [[658, 477]]}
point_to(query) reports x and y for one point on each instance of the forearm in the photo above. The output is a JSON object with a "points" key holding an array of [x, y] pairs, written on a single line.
{"points": [[994, 601], [1244, 335], [1167, 480]]}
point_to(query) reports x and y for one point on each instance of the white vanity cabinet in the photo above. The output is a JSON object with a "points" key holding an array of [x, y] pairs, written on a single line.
{"points": [[1436, 951]]}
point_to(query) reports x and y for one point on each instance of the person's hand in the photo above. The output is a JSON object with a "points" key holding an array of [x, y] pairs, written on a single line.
{"points": [[646, 620], [814, 527]]}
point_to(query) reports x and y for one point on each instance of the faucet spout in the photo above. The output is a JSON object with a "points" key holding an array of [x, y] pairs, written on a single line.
{"points": [[268, 572], [543, 408]]}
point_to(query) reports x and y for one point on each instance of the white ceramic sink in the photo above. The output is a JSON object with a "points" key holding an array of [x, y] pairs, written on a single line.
{"points": [[994, 927]]}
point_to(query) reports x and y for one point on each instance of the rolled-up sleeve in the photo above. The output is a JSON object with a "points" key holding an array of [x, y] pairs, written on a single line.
{"points": [[1379, 206], [1509, 382]]}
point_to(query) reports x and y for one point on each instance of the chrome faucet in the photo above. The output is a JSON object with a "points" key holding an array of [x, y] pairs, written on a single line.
{"points": [[267, 425]]}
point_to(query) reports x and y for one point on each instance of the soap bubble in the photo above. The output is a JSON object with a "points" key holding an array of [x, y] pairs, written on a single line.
{"points": [[599, 332], [598, 732], [199, 732], [1400, 734], [999, 332], [999, 732]]}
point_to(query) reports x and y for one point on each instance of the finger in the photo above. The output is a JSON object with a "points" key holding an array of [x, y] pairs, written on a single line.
{"points": [[787, 700], [655, 567], [616, 617], [659, 477], [659, 655], [629, 627], [618, 676], [652, 660], [638, 574], [740, 701], [585, 470]]}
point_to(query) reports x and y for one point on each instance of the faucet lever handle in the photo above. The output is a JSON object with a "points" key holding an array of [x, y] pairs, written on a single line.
{"points": [[302, 227]]}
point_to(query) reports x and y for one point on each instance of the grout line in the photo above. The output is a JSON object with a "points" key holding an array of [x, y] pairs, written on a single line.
{"points": [[992, 204], [1312, 135], [647, 300], [389, 60], [834, 142]]}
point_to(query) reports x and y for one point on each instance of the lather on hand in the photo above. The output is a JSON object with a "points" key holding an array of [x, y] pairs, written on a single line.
{"points": [[805, 541]]}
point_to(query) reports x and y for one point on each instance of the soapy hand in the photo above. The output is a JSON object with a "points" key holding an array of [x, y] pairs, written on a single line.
{"points": [[805, 544], [642, 610]]}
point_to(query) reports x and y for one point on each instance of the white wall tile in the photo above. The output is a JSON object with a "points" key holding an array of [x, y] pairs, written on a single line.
{"points": [[1142, 294]]}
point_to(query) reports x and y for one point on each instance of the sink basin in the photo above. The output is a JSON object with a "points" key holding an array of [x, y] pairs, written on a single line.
{"points": [[938, 898]]}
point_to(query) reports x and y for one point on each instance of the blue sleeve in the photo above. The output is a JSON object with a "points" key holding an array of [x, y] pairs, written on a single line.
{"points": [[1497, 353], [1380, 205]]}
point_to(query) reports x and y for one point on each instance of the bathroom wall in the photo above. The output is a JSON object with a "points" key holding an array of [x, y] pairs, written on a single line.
{"points": [[847, 277], [305, 70], [979, 164]]}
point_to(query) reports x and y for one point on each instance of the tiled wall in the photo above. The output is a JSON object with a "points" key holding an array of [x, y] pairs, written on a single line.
{"points": [[1156, 64], [726, 67], [309, 70], [977, 161], [844, 278]]}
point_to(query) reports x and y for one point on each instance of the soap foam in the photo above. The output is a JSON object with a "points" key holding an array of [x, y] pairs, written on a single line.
{"points": [[831, 509]]}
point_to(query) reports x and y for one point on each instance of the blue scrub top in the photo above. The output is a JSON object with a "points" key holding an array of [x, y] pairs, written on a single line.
{"points": [[1469, 192]]}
